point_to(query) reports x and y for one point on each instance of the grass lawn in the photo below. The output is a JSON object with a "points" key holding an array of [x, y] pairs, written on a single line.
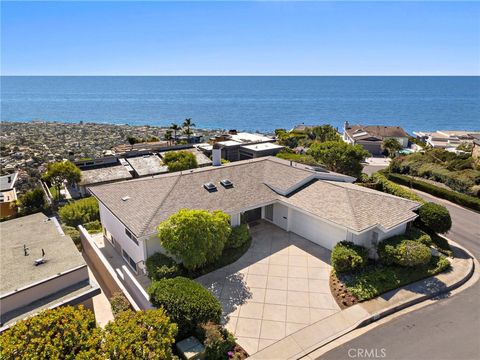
{"points": [[378, 279]]}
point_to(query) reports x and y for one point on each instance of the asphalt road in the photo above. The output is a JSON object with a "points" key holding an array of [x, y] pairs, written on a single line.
{"points": [[449, 329]]}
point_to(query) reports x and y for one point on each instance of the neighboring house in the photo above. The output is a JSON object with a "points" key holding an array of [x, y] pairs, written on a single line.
{"points": [[237, 146], [446, 139], [322, 206], [8, 194], [60, 277], [118, 171], [371, 137]]}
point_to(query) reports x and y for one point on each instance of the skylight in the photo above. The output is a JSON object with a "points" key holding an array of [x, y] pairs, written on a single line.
{"points": [[226, 183], [210, 186]]}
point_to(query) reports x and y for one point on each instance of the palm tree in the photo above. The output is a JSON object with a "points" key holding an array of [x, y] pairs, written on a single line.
{"points": [[188, 124], [175, 128]]}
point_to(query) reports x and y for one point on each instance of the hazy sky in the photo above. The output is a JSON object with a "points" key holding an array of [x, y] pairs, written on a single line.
{"points": [[240, 38]]}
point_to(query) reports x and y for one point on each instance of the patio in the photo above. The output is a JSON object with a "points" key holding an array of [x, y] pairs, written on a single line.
{"points": [[278, 287]]}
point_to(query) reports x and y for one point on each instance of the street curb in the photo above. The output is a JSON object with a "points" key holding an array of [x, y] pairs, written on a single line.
{"points": [[393, 309]]}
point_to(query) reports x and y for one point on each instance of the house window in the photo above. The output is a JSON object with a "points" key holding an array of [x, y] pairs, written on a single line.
{"points": [[269, 212], [129, 234], [129, 260]]}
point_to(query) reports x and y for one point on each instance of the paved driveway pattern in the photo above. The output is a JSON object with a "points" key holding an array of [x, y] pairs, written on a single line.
{"points": [[278, 287]]}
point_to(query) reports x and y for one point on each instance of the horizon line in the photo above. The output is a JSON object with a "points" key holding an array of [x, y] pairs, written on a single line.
{"points": [[242, 75]]}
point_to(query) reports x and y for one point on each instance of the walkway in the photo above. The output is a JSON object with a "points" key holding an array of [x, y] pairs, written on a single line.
{"points": [[278, 287]]}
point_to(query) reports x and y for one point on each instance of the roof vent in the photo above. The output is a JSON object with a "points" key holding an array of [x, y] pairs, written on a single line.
{"points": [[125, 198], [226, 183], [210, 186]]}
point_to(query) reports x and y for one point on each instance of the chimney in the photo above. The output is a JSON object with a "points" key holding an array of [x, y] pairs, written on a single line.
{"points": [[217, 155], [346, 125]]}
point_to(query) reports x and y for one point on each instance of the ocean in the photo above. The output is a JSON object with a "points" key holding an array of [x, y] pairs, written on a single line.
{"points": [[246, 103]]}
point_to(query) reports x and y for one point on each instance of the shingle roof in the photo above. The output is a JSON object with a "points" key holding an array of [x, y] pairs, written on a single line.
{"points": [[353, 206], [7, 182], [105, 174], [154, 199], [377, 130]]}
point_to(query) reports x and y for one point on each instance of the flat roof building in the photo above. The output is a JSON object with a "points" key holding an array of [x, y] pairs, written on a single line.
{"points": [[40, 268], [147, 165]]}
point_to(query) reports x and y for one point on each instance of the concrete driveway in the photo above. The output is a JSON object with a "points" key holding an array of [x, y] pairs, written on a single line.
{"points": [[278, 287]]}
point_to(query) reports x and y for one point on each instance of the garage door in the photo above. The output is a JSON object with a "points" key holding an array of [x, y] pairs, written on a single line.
{"points": [[315, 230]]}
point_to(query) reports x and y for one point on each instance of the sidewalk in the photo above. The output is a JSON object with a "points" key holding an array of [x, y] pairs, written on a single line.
{"points": [[306, 340]]}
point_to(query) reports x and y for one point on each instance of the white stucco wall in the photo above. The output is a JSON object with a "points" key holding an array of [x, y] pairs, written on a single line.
{"points": [[117, 230], [280, 216]]}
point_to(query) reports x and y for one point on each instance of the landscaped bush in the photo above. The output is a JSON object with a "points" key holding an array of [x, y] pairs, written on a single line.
{"points": [[217, 340], [418, 235], [73, 233], [346, 256], [80, 212], [65, 332], [186, 302], [441, 244], [435, 218], [119, 303], [412, 253], [402, 251], [140, 335], [471, 202], [196, 237], [93, 227], [160, 266], [238, 237], [376, 280], [180, 160], [389, 187]]}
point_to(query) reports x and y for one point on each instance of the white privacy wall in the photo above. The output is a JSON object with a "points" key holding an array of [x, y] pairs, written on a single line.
{"points": [[117, 230]]}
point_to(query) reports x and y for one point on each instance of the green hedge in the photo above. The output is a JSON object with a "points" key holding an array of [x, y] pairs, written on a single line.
{"points": [[453, 196], [187, 303], [160, 266], [238, 237], [346, 256], [385, 185], [403, 251]]}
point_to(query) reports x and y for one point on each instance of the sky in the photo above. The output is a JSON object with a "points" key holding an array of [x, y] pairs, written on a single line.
{"points": [[240, 38]]}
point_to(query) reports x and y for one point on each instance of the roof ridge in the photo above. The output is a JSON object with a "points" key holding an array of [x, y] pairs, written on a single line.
{"points": [[352, 208], [147, 223]]}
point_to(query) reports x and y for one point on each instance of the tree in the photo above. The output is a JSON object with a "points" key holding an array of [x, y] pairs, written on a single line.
{"points": [[339, 156], [325, 133], [175, 128], [180, 160], [187, 124], [187, 303], [80, 212], [32, 201], [391, 146], [197, 237], [168, 135], [59, 172], [61, 333], [132, 140], [140, 335], [434, 218]]}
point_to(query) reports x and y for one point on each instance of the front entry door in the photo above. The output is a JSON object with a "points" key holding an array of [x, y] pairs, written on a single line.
{"points": [[253, 215]]}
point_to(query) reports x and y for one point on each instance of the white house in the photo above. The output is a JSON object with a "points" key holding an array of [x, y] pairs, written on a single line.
{"points": [[322, 206]]}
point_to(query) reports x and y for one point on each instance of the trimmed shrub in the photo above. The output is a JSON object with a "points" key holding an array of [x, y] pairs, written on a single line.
{"points": [[186, 302], [140, 335], [453, 196], [402, 251], [65, 332], [238, 237], [435, 218], [196, 237], [346, 256], [73, 233], [217, 340], [180, 160], [389, 187], [160, 266], [80, 212], [412, 253], [419, 235], [119, 303], [93, 226]]}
